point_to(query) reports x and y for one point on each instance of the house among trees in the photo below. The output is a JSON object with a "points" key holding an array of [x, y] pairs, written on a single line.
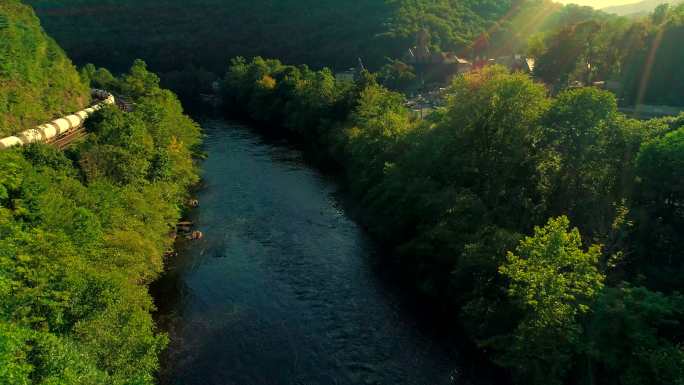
{"points": [[514, 63], [432, 66], [441, 67]]}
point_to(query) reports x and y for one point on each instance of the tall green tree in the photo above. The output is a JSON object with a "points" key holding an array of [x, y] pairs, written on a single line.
{"points": [[555, 281], [633, 338], [659, 211]]}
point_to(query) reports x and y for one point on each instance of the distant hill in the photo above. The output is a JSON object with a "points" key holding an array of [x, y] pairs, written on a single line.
{"points": [[173, 34], [187, 42], [37, 80], [641, 8]]}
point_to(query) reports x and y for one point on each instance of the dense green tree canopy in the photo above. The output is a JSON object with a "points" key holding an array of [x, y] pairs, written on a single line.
{"points": [[660, 197], [187, 41], [82, 234], [455, 194], [207, 32], [556, 282], [640, 57]]}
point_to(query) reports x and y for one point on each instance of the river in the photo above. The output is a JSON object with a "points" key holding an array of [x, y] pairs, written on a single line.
{"points": [[284, 288]]}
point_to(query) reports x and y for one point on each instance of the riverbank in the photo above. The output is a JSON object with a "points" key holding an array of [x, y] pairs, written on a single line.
{"points": [[442, 313], [462, 197], [83, 233]]}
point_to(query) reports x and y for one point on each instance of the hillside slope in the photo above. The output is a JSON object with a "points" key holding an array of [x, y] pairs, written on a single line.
{"points": [[84, 231], [37, 80], [640, 8], [173, 35]]}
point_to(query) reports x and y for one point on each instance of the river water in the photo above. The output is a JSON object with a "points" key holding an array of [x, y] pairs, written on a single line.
{"points": [[283, 289]]}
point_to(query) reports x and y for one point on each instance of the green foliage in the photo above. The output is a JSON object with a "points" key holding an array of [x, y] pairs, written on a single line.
{"points": [[319, 33], [563, 39], [13, 351], [493, 122], [454, 194], [641, 55], [584, 135], [397, 75], [74, 256], [341, 32], [630, 337], [301, 100], [555, 281], [37, 81], [659, 210], [552, 275], [99, 78], [82, 235], [380, 121], [454, 25], [660, 165], [122, 148]]}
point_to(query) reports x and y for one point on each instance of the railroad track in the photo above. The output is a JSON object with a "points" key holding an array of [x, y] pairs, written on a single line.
{"points": [[67, 139]]}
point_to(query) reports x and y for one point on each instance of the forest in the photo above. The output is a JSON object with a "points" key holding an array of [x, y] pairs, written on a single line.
{"points": [[319, 33], [82, 235], [636, 58], [641, 56], [84, 231], [549, 225], [189, 44], [542, 220]]}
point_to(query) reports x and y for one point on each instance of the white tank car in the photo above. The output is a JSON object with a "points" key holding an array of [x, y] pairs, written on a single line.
{"points": [[10, 141], [74, 120], [31, 136], [62, 125], [49, 131]]}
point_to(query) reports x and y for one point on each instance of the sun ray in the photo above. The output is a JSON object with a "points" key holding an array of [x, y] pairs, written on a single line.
{"points": [[648, 69], [524, 23]]}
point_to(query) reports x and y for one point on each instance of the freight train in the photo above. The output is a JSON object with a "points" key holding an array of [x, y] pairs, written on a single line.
{"points": [[58, 127]]}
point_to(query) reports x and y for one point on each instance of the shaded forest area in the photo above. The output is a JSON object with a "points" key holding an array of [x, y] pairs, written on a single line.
{"points": [[189, 42], [551, 226]]}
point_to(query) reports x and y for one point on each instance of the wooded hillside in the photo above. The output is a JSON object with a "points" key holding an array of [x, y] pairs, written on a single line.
{"points": [[84, 231], [187, 41], [37, 80]]}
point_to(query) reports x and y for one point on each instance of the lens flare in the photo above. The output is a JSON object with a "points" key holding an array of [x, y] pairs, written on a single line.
{"points": [[648, 70]]}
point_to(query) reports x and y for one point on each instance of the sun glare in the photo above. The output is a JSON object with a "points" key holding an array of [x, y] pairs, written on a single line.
{"points": [[598, 3]]}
